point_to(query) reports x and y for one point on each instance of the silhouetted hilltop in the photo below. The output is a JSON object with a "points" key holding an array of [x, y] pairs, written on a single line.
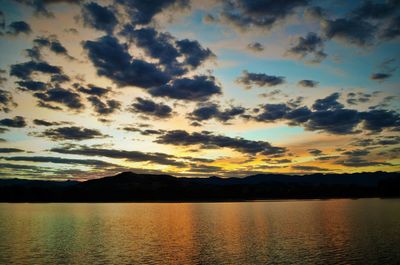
{"points": [[128, 186], [361, 179]]}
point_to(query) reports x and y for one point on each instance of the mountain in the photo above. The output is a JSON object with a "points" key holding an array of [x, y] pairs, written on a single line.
{"points": [[128, 186]]}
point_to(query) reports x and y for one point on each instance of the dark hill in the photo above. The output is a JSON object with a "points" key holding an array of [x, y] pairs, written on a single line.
{"points": [[129, 186]]}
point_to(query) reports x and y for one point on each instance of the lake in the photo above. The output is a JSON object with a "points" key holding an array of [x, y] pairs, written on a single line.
{"points": [[364, 231]]}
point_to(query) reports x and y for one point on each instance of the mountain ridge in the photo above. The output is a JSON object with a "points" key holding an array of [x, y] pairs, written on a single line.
{"points": [[129, 186]]}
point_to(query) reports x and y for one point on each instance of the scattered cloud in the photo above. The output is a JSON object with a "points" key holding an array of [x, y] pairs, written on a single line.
{"points": [[151, 108], [99, 17], [134, 156], [19, 27], [210, 140], [255, 47], [16, 122], [211, 110], [71, 133], [308, 83], [311, 44], [197, 88], [259, 79]]}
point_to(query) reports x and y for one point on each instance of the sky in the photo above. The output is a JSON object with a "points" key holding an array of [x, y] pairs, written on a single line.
{"points": [[198, 88]]}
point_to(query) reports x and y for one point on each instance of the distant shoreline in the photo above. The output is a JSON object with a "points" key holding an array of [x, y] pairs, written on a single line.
{"points": [[146, 188], [203, 201]]}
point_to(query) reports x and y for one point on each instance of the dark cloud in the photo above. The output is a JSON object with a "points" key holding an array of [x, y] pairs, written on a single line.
{"points": [[41, 41], [58, 160], [58, 48], [62, 96], [376, 10], [329, 115], [315, 152], [11, 150], [328, 103], [246, 14], [392, 30], [337, 121], [326, 158], [16, 122], [42, 104], [195, 124], [357, 152], [143, 131], [47, 123], [193, 52], [377, 120], [113, 60], [388, 140], [99, 17], [210, 140], [2, 79], [198, 159], [6, 101], [308, 83], [211, 110], [309, 168], [18, 27], [259, 79], [255, 47], [295, 102], [197, 88], [378, 141], [134, 156], [71, 30], [30, 85], [25, 70], [51, 42], [380, 76], [298, 115], [358, 162], [156, 45], [363, 142], [273, 95], [312, 45], [71, 133], [272, 112], [60, 78], [167, 49], [151, 108], [34, 53], [93, 90], [141, 12], [2, 22], [151, 132], [204, 168], [104, 107], [350, 30], [359, 97], [22, 167]]}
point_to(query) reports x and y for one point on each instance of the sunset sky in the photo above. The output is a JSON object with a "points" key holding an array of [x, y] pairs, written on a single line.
{"points": [[198, 88]]}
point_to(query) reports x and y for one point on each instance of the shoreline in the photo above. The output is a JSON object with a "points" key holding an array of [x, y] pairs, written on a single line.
{"points": [[201, 201]]}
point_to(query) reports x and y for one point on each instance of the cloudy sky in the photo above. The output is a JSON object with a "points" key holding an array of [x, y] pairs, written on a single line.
{"points": [[198, 88]]}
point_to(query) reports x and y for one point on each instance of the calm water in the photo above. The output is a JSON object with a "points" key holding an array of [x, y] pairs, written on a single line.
{"points": [[363, 231]]}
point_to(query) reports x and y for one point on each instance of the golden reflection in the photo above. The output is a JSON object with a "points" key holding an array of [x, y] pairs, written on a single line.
{"points": [[269, 232]]}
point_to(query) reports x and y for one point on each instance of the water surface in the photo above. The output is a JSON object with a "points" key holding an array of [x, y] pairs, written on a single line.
{"points": [[365, 231]]}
